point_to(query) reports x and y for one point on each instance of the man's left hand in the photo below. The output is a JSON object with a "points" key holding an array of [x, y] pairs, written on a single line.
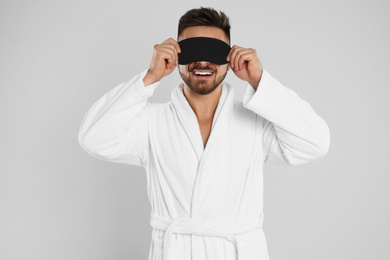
{"points": [[245, 64]]}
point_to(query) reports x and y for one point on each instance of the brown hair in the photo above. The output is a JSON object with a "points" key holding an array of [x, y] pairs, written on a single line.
{"points": [[204, 16]]}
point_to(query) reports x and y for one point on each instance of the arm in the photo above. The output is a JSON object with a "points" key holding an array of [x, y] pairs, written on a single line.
{"points": [[292, 132], [115, 127]]}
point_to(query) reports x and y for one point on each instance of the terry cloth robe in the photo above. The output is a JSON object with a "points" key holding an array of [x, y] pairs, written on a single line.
{"points": [[207, 202]]}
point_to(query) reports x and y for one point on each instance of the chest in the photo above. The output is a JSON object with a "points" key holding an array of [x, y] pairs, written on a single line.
{"points": [[205, 129], [177, 143]]}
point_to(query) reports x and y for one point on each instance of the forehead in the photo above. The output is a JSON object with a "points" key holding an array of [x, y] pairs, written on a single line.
{"points": [[203, 31]]}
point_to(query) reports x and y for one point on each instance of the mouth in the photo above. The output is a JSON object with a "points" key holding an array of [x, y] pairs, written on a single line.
{"points": [[202, 74]]}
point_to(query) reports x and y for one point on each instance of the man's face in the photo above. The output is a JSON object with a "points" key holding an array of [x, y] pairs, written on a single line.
{"points": [[203, 85]]}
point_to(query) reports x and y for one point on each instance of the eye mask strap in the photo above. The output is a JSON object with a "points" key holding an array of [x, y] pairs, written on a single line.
{"points": [[192, 67]]}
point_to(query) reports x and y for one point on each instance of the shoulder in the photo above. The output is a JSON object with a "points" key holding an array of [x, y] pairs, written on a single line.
{"points": [[242, 114], [241, 111], [156, 109]]}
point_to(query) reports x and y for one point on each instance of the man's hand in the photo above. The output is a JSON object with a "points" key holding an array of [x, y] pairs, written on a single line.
{"points": [[164, 61], [245, 64]]}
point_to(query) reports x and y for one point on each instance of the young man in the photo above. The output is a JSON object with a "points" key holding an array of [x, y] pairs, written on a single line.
{"points": [[204, 151]]}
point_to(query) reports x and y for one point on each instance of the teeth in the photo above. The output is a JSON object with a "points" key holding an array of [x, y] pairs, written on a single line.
{"points": [[203, 73]]}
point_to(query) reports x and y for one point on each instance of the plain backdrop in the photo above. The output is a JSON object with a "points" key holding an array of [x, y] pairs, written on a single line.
{"points": [[58, 57]]}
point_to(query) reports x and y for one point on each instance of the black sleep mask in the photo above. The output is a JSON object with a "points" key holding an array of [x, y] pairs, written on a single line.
{"points": [[203, 49]]}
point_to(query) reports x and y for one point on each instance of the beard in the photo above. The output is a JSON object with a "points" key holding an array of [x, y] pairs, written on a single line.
{"points": [[203, 86]]}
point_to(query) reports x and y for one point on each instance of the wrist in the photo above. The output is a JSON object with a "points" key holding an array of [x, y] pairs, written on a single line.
{"points": [[149, 79], [255, 83]]}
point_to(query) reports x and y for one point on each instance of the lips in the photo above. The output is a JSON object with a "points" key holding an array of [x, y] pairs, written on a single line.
{"points": [[202, 74]]}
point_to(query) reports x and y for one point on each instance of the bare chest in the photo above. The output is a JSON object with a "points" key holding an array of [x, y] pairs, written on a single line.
{"points": [[205, 129]]}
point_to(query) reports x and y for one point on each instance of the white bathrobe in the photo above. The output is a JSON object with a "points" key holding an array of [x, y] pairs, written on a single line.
{"points": [[207, 203]]}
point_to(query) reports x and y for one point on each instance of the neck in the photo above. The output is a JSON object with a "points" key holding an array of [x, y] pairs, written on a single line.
{"points": [[204, 106]]}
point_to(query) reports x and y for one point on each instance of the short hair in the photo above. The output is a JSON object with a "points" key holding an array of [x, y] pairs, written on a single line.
{"points": [[204, 16]]}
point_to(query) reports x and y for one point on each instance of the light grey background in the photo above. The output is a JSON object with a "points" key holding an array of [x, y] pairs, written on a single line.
{"points": [[58, 57]]}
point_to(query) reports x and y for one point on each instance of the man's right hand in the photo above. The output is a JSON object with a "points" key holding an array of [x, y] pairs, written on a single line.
{"points": [[164, 61]]}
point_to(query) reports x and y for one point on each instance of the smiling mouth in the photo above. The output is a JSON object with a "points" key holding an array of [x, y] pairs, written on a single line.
{"points": [[202, 74]]}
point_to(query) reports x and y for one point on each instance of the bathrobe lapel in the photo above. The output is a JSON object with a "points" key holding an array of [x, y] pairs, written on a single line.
{"points": [[190, 124]]}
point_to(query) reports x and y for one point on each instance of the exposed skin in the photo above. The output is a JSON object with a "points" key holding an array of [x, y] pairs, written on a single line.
{"points": [[203, 94]]}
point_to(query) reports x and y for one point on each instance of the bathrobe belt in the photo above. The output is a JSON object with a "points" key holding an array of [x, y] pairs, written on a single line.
{"points": [[203, 228]]}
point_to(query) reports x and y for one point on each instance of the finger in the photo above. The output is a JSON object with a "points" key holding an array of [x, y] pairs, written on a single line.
{"points": [[229, 56], [169, 53], [174, 43], [244, 56], [169, 47], [237, 57], [175, 52], [232, 49], [167, 57], [171, 50], [233, 55]]}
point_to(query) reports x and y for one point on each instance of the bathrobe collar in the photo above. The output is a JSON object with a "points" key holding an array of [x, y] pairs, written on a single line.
{"points": [[188, 119]]}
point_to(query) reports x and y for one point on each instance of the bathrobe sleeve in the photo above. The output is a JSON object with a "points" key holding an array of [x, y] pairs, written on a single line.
{"points": [[115, 127], [292, 132]]}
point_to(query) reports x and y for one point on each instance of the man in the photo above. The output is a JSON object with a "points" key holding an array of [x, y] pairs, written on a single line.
{"points": [[204, 151]]}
